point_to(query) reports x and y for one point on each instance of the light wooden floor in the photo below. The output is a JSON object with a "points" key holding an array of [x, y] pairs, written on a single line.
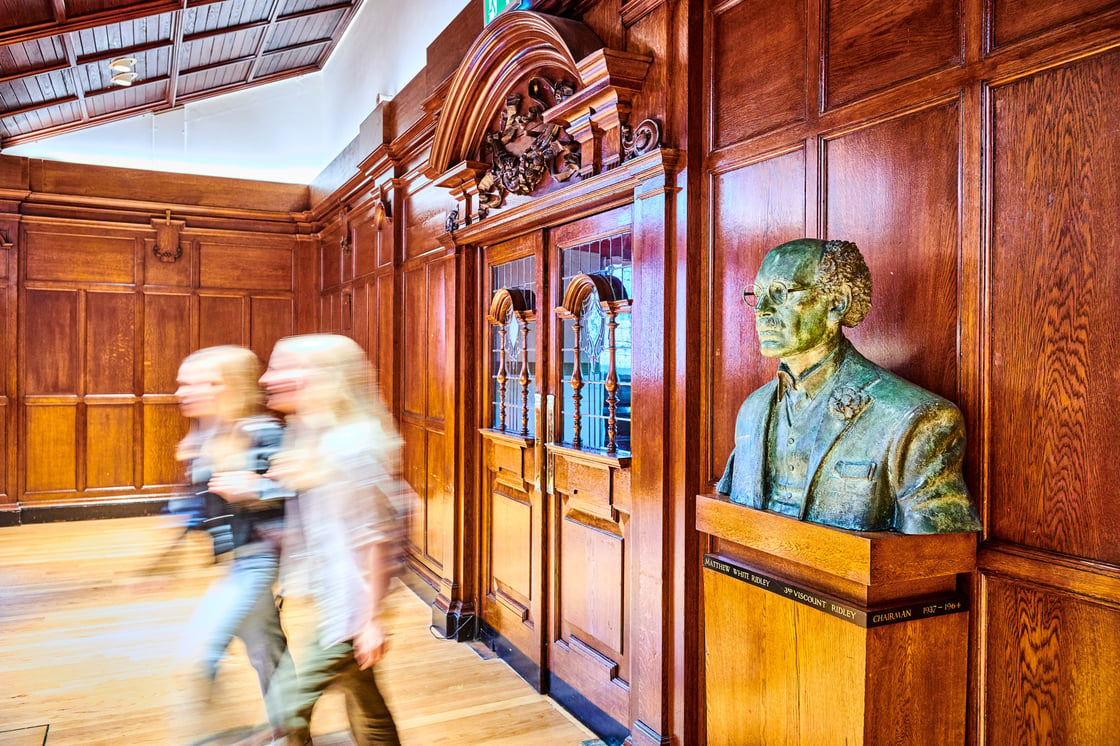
{"points": [[91, 613]]}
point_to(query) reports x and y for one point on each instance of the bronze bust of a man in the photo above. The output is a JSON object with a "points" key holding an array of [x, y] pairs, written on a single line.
{"points": [[836, 439]]}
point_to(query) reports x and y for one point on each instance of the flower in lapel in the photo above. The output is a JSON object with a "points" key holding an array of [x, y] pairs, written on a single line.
{"points": [[847, 401]]}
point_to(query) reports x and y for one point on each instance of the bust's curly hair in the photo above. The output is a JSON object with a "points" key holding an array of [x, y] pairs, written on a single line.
{"points": [[842, 264]]}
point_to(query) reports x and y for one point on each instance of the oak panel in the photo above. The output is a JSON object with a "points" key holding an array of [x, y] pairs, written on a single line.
{"points": [[892, 189], [1051, 659], [511, 546], [269, 320], [441, 319], [1014, 20], [440, 511], [362, 318], [167, 340], [592, 585], [759, 55], [425, 215], [367, 245], [80, 257], [253, 267], [416, 473], [414, 350], [51, 342], [331, 257], [1055, 281], [754, 209], [51, 457], [873, 45], [110, 342], [221, 320], [164, 427], [386, 322], [110, 431]]}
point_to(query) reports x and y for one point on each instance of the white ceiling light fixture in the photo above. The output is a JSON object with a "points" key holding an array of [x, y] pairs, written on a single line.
{"points": [[122, 64], [122, 71], [124, 79]]}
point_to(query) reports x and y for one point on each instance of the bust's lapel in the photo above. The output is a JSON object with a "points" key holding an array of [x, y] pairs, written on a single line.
{"points": [[750, 450], [855, 374]]}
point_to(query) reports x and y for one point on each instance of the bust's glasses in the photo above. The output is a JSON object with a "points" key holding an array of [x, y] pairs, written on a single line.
{"points": [[778, 292]]}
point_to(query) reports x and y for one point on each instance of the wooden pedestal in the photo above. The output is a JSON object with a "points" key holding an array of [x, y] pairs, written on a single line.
{"points": [[817, 635]]}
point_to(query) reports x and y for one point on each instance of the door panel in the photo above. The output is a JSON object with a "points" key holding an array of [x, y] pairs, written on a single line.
{"points": [[589, 465], [513, 540]]}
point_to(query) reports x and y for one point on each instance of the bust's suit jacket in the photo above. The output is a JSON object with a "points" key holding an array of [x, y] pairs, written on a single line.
{"points": [[887, 455]]}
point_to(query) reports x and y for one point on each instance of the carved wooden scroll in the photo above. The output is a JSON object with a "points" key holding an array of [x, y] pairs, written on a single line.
{"points": [[511, 311], [588, 294]]}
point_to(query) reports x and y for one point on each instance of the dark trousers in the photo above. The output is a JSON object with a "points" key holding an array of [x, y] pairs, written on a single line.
{"points": [[371, 723]]}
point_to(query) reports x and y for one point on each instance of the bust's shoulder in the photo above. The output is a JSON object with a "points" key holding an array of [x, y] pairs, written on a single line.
{"points": [[897, 396]]}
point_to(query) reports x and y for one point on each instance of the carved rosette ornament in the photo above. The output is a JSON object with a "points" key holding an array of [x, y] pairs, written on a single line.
{"points": [[524, 148]]}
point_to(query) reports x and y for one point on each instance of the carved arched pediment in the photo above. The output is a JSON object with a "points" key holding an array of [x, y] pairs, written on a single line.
{"points": [[535, 95], [516, 45]]}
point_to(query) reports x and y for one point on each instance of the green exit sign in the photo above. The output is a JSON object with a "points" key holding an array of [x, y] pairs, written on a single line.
{"points": [[494, 7]]}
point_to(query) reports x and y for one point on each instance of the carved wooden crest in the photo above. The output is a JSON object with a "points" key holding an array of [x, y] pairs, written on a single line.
{"points": [[524, 149], [167, 246]]}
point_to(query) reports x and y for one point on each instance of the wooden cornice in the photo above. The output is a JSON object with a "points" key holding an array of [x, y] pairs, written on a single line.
{"points": [[610, 189], [514, 46]]}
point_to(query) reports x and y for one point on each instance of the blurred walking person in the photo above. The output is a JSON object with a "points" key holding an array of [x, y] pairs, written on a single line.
{"points": [[225, 454], [341, 455]]}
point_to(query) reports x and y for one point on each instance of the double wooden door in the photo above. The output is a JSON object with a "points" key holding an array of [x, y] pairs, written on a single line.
{"points": [[555, 441]]}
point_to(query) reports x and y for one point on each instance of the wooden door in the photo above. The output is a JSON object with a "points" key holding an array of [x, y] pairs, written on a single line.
{"points": [[515, 335], [589, 470]]}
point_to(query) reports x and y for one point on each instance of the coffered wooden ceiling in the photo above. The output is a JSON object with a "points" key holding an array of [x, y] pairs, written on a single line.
{"points": [[55, 55]]}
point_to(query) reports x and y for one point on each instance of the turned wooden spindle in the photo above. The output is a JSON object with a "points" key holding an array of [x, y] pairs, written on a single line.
{"points": [[611, 386], [501, 378], [577, 384], [523, 379]]}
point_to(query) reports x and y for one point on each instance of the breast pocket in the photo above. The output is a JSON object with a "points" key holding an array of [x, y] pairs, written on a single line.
{"points": [[860, 471]]}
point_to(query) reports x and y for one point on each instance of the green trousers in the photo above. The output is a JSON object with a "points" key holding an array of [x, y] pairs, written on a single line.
{"points": [[371, 723]]}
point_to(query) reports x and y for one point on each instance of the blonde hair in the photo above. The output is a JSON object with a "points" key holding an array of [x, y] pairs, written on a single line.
{"points": [[340, 389], [239, 369]]}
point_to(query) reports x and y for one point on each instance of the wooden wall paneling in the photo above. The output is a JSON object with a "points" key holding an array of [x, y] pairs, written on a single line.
{"points": [[50, 448], [440, 503], [167, 339], [1054, 277], [440, 329], [269, 320], [222, 320], [164, 427], [245, 265], [414, 350], [416, 471], [110, 350], [425, 215], [9, 333], [82, 255], [770, 68], [387, 326], [110, 443], [50, 342], [1050, 657], [892, 188], [753, 209], [1011, 21], [871, 46]]}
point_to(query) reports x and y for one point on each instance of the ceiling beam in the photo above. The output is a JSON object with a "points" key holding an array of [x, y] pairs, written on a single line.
{"points": [[176, 49], [38, 106], [59, 8], [118, 15], [75, 79], [35, 71], [263, 41]]}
